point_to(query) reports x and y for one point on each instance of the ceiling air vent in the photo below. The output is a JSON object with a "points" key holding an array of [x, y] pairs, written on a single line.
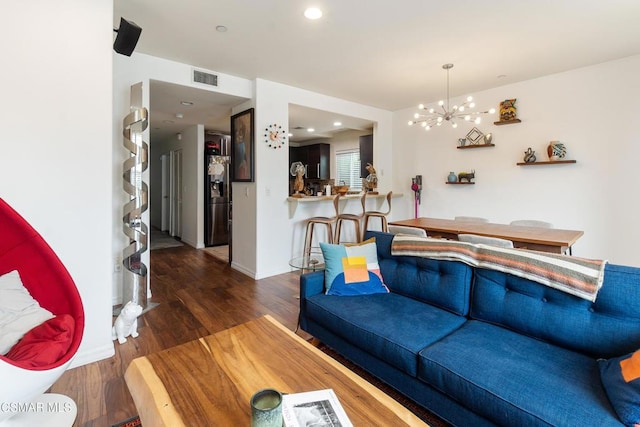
{"points": [[205, 78]]}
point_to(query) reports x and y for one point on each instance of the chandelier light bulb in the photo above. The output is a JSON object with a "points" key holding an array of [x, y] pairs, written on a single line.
{"points": [[447, 113], [410, 122]]}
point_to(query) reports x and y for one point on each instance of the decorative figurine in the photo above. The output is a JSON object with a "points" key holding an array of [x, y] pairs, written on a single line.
{"points": [[298, 170], [126, 323], [452, 177], [371, 181], [556, 150], [508, 110], [467, 175], [529, 156], [462, 142]]}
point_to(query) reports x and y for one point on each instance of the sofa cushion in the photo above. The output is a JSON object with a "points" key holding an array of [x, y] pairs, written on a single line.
{"points": [[604, 329], [391, 327], [512, 379], [621, 379], [352, 269], [445, 284]]}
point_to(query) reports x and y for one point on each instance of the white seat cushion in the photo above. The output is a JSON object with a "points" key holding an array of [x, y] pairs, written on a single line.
{"points": [[19, 312]]}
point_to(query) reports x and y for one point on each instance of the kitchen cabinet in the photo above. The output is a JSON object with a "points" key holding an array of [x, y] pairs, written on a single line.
{"points": [[366, 154], [315, 157]]}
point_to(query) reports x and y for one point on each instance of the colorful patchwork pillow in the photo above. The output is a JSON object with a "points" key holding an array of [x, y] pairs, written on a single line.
{"points": [[621, 380], [352, 269]]}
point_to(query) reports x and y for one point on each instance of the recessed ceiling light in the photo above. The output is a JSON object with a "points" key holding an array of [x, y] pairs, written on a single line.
{"points": [[186, 103], [290, 134], [179, 115], [310, 130], [221, 28], [313, 13], [337, 123], [502, 76], [167, 121]]}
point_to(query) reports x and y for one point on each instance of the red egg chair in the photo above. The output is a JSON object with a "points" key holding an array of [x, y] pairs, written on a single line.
{"points": [[49, 283]]}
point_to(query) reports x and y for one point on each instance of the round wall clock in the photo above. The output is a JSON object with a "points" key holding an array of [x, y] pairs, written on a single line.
{"points": [[275, 136]]}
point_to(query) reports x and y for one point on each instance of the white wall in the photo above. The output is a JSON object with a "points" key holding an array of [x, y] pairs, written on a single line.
{"points": [[278, 225], [144, 68], [593, 110], [56, 123]]}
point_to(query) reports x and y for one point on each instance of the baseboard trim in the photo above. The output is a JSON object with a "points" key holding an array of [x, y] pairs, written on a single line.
{"points": [[243, 270], [93, 355]]}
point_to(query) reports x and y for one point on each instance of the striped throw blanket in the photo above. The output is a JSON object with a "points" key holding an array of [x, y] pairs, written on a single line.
{"points": [[576, 276]]}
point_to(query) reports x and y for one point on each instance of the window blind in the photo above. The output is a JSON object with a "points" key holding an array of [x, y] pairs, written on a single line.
{"points": [[348, 169]]}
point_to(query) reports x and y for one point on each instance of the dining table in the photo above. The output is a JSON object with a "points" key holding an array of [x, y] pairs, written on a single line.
{"points": [[553, 240]]}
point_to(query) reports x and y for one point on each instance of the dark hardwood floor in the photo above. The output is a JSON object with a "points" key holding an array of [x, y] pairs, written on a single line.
{"points": [[198, 295]]}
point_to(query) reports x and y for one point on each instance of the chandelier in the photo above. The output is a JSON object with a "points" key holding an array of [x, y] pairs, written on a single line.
{"points": [[434, 117]]}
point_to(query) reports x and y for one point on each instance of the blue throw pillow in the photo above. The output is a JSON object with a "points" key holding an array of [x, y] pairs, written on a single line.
{"points": [[621, 380], [352, 269]]}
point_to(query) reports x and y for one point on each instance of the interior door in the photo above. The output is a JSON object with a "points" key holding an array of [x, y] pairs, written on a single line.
{"points": [[166, 174], [175, 227]]}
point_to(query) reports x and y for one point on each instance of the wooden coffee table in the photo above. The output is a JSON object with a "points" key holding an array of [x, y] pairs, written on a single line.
{"points": [[209, 381]]}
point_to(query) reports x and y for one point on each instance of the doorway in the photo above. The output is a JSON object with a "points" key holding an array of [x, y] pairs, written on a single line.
{"points": [[166, 204], [175, 194]]}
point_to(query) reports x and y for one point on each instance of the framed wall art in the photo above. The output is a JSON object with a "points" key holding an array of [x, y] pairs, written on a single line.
{"points": [[242, 153]]}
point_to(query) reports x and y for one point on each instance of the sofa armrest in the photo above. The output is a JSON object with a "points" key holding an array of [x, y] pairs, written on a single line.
{"points": [[311, 284]]}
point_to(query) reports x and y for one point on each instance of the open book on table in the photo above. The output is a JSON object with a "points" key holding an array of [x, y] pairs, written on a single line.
{"points": [[320, 408]]}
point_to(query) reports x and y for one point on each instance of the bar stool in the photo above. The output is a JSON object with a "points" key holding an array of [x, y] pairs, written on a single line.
{"points": [[379, 214], [320, 220], [351, 217]]}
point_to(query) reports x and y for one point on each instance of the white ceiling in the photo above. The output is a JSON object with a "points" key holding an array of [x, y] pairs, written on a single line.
{"points": [[383, 53]]}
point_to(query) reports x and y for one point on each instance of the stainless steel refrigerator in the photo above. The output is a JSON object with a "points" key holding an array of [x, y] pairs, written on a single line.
{"points": [[217, 190]]}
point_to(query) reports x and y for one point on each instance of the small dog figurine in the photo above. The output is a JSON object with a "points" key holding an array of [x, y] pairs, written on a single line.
{"points": [[126, 323]]}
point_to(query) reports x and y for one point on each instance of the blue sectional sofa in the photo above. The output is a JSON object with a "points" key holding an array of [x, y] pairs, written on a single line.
{"points": [[480, 347]]}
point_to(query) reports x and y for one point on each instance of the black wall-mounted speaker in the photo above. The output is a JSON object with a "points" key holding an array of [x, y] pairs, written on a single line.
{"points": [[127, 38]]}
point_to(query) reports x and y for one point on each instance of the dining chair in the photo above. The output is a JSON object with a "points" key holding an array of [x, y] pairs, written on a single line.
{"points": [[471, 219], [531, 223], [402, 229], [493, 241]]}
